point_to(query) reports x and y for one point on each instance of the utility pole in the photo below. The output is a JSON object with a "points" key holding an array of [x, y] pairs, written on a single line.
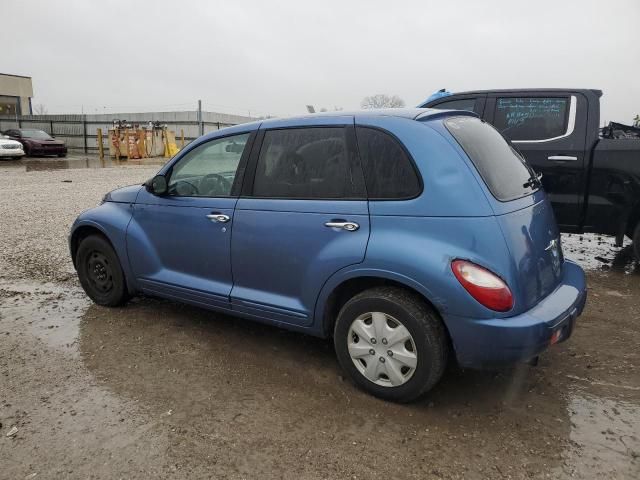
{"points": [[200, 122]]}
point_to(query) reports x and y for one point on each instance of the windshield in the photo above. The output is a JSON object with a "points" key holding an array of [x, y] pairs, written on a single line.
{"points": [[37, 134], [504, 171]]}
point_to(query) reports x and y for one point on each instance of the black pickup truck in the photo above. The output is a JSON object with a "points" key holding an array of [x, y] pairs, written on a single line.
{"points": [[592, 176]]}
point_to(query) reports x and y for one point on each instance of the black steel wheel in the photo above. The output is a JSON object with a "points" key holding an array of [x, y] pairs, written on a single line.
{"points": [[100, 273]]}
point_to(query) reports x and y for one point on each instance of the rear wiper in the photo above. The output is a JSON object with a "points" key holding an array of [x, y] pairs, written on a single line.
{"points": [[533, 181]]}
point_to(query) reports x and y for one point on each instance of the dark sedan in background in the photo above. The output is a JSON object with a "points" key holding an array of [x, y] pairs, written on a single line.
{"points": [[37, 142]]}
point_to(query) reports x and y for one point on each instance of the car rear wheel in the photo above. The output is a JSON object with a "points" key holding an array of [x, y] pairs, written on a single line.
{"points": [[636, 242], [391, 343], [62, 155], [100, 273]]}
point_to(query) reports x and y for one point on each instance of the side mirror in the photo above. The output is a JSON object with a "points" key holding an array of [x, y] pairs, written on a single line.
{"points": [[157, 185]]}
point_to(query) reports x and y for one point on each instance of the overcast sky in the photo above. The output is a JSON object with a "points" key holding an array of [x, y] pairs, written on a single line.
{"points": [[269, 57]]}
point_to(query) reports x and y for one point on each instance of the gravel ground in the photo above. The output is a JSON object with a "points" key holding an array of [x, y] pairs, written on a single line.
{"points": [[37, 209], [157, 389]]}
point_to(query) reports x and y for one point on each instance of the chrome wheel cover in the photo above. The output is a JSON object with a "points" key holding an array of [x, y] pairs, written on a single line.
{"points": [[382, 349]]}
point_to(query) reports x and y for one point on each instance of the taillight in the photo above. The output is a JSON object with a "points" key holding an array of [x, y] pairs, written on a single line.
{"points": [[486, 287]]}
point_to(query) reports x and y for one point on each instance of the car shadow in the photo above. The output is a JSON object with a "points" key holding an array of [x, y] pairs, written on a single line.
{"points": [[213, 372]]}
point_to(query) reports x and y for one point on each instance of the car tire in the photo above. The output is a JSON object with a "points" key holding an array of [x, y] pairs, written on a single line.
{"points": [[636, 242], [100, 273], [407, 376], [62, 155]]}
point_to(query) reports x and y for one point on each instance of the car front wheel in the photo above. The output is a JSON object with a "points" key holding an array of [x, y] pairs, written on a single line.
{"points": [[100, 273], [391, 343]]}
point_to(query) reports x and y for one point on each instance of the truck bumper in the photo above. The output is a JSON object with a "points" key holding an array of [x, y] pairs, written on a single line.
{"points": [[482, 343]]}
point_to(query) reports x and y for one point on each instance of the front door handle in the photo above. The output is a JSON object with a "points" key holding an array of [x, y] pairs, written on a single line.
{"points": [[348, 226], [562, 158], [219, 217]]}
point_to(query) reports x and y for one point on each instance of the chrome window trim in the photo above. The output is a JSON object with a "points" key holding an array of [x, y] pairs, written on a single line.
{"points": [[570, 125]]}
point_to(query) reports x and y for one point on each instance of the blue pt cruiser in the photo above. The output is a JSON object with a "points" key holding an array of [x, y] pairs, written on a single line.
{"points": [[412, 237]]}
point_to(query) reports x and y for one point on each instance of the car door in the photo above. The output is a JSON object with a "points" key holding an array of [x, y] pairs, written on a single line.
{"points": [[179, 244], [302, 217], [547, 130]]}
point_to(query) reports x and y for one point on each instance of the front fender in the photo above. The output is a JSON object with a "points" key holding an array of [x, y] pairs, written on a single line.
{"points": [[111, 219]]}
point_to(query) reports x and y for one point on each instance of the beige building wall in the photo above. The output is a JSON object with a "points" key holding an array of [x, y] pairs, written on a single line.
{"points": [[17, 86]]}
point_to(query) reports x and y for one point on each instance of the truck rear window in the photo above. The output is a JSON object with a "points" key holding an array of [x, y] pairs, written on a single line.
{"points": [[504, 171]]}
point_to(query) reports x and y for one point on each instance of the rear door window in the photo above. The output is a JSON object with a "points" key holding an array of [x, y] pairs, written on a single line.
{"points": [[389, 172], [307, 163], [531, 118], [504, 171]]}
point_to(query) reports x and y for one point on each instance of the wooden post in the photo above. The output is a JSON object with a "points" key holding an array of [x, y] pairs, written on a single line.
{"points": [[126, 142], [100, 146], [142, 141], [116, 139], [166, 143], [181, 138]]}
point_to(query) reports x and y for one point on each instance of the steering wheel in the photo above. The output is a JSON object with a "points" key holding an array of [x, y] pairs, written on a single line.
{"points": [[184, 188], [214, 184]]}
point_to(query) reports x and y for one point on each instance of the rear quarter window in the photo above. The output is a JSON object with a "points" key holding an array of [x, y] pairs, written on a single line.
{"points": [[468, 104], [388, 170], [504, 171]]}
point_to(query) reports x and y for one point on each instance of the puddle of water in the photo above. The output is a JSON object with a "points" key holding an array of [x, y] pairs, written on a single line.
{"points": [[47, 164], [598, 252], [53, 312], [605, 441]]}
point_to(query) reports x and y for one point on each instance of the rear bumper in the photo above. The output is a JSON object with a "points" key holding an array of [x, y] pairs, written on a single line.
{"points": [[502, 341]]}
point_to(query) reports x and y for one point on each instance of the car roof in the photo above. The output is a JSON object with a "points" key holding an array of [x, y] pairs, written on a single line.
{"points": [[409, 113], [421, 114], [529, 90]]}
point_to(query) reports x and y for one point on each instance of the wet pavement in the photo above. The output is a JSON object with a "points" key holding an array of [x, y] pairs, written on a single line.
{"points": [[156, 389], [76, 160]]}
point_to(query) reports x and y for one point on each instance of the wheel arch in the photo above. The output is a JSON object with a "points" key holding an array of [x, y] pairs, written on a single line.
{"points": [[81, 232], [342, 286]]}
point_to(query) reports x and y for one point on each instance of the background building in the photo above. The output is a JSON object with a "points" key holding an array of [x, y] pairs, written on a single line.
{"points": [[15, 94]]}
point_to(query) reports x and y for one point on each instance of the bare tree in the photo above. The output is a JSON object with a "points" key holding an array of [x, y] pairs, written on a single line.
{"points": [[382, 100], [40, 109]]}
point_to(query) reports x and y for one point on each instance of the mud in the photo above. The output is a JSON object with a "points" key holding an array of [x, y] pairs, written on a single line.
{"points": [[157, 389]]}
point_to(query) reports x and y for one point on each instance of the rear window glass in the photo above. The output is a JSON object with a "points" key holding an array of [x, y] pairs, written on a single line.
{"points": [[388, 171], [504, 171], [533, 118]]}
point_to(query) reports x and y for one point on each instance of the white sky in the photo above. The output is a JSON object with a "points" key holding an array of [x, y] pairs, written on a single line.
{"points": [[270, 57]]}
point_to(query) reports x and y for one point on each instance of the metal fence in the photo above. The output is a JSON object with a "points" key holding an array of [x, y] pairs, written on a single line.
{"points": [[79, 132]]}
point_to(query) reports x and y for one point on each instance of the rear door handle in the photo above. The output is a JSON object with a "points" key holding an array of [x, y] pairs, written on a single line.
{"points": [[348, 226], [562, 158], [219, 217]]}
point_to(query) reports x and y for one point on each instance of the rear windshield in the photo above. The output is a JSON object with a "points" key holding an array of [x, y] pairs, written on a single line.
{"points": [[505, 172]]}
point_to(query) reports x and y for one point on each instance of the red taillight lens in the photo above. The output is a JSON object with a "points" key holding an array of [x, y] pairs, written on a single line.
{"points": [[486, 287]]}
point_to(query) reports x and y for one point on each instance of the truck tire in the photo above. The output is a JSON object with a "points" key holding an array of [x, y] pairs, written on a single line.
{"points": [[391, 343]]}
